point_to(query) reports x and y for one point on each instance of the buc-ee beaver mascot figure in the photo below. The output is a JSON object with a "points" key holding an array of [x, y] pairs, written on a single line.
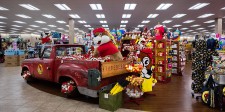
{"points": [[105, 45]]}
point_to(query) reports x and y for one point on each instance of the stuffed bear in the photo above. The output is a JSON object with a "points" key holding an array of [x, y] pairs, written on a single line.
{"points": [[105, 46]]}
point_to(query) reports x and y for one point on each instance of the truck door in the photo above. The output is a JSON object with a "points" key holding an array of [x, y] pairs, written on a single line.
{"points": [[44, 65]]}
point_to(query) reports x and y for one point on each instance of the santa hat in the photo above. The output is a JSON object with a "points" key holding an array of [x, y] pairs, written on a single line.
{"points": [[98, 30], [147, 51]]}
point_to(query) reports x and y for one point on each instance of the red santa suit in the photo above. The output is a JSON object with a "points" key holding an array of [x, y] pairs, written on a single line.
{"points": [[107, 49], [159, 32]]}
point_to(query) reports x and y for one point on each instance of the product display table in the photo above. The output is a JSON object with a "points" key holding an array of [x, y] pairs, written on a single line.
{"points": [[220, 80]]}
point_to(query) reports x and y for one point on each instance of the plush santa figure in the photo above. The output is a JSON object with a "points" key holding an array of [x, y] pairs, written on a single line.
{"points": [[105, 46]]}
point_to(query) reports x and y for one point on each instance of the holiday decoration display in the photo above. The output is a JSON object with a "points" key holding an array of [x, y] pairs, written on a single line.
{"points": [[67, 87]]}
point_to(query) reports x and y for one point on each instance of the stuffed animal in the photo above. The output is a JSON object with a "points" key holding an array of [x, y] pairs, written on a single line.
{"points": [[105, 46]]}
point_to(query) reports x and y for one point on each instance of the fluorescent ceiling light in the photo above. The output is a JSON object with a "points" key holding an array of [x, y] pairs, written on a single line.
{"points": [[194, 32], [124, 21], [74, 15], [140, 25], [90, 28], [126, 15], [96, 6], [14, 28], [67, 25], [62, 22], [3, 8], [167, 21], [205, 15], [76, 28], [82, 22], [210, 21], [2, 22], [189, 21], [60, 28], [21, 22], [51, 25], [42, 22], [136, 28], [204, 30], [183, 28], [189, 30], [222, 8], [87, 25], [169, 28], [23, 16], [122, 25], [129, 6], [103, 21], [179, 15], [2, 29], [48, 16], [2, 26], [152, 15], [16, 25], [198, 6], [62, 6], [2, 17], [45, 28], [29, 6], [177, 25], [29, 28], [100, 15], [164, 6], [145, 21], [40, 31], [211, 26], [105, 26], [200, 28], [34, 26], [195, 25]]}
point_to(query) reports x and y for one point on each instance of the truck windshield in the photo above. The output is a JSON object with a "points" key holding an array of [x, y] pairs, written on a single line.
{"points": [[69, 51]]}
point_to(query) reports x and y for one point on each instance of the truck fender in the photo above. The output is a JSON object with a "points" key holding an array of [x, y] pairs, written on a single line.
{"points": [[25, 66], [76, 73]]}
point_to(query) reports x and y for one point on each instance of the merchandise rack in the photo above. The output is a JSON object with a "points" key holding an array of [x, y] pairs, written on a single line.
{"points": [[161, 61], [178, 59]]}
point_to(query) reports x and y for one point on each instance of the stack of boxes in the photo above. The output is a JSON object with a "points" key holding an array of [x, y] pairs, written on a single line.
{"points": [[14, 57]]}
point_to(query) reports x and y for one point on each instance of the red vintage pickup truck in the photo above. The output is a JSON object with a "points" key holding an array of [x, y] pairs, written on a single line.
{"points": [[88, 77]]}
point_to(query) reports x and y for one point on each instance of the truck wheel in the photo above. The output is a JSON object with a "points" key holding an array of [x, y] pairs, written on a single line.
{"points": [[69, 88], [27, 76]]}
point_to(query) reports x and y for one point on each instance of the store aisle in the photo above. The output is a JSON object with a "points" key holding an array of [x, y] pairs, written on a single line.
{"points": [[18, 96]]}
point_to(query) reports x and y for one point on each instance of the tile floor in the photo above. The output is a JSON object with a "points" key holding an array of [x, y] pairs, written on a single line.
{"points": [[18, 96]]}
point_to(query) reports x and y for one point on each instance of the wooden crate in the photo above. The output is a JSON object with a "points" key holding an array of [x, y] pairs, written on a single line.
{"points": [[11, 64], [109, 69], [20, 59], [11, 58]]}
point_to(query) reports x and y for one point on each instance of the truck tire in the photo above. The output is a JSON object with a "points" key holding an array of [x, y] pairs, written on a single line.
{"points": [[69, 89], [27, 76]]}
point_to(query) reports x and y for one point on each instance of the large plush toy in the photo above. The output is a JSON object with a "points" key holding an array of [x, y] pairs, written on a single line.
{"points": [[105, 45]]}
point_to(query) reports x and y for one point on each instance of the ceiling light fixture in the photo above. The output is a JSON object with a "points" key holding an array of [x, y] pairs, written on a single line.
{"points": [[34, 26], [90, 28], [164, 6], [14, 28], [103, 21], [179, 15], [177, 25], [52, 26], [183, 28], [48, 16], [189, 30], [2, 22], [126, 15], [105, 26], [21, 22], [82, 22], [29, 6], [45, 28], [200, 28], [205, 15], [210, 21], [189, 21], [74, 15], [100, 15], [167, 21], [3, 8], [122, 25], [152, 15], [145, 21], [198, 6], [42, 22], [129, 6], [60, 21], [16, 25], [29, 28], [211, 26], [87, 25], [96, 6], [124, 21], [222, 8], [62, 6], [2, 29], [60, 28], [195, 25], [140, 25], [23, 16]]}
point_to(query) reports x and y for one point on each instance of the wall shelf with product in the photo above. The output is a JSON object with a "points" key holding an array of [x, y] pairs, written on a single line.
{"points": [[178, 58], [162, 61]]}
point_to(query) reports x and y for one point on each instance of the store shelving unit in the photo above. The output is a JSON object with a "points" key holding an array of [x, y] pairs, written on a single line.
{"points": [[178, 58], [161, 61]]}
